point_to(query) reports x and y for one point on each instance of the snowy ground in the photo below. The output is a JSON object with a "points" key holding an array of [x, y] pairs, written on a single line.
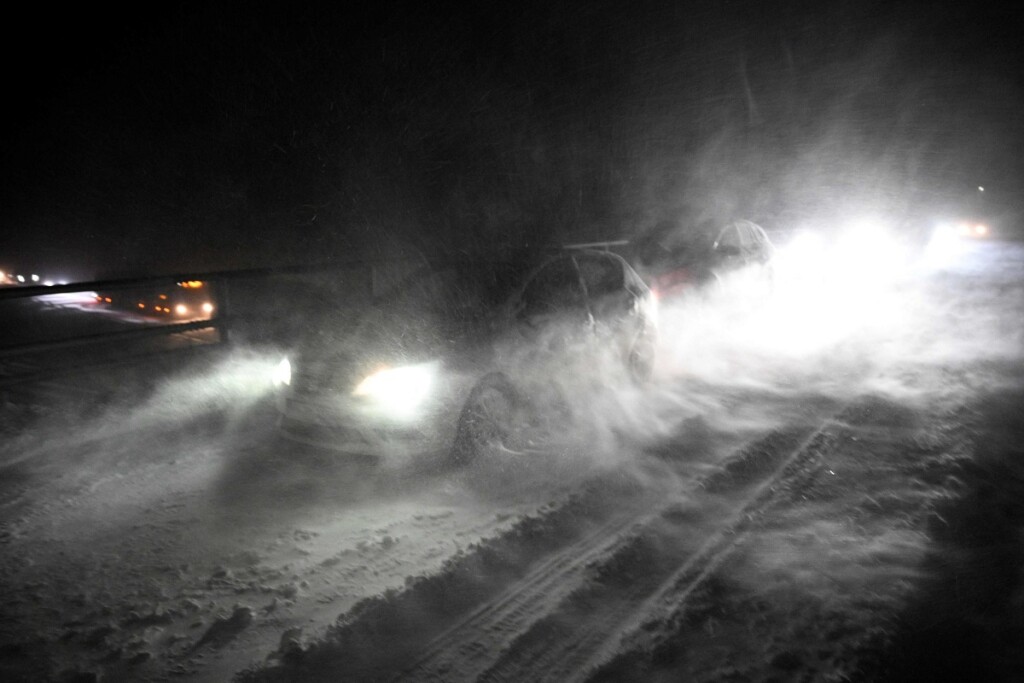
{"points": [[824, 486]]}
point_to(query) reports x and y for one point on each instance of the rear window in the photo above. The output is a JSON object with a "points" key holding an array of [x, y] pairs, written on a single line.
{"points": [[729, 239], [601, 275], [556, 286]]}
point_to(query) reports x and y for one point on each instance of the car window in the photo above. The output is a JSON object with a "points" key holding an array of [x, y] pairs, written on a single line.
{"points": [[554, 288], [430, 307], [762, 236], [674, 243], [601, 274], [755, 235], [729, 239], [747, 238]]}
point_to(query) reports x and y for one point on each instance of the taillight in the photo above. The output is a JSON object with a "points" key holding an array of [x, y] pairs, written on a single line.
{"points": [[671, 283]]}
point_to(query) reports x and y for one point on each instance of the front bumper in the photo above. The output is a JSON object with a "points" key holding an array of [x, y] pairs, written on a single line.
{"points": [[326, 425]]}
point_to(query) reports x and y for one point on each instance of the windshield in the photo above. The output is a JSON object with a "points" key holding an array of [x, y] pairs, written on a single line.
{"points": [[435, 307]]}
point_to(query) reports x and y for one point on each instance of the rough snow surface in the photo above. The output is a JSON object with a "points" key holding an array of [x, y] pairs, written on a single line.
{"points": [[842, 504]]}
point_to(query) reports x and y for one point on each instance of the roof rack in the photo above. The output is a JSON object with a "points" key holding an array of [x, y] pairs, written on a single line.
{"points": [[606, 246]]}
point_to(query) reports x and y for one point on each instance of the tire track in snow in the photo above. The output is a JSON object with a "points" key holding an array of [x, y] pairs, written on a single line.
{"points": [[487, 603], [468, 648], [571, 641]]}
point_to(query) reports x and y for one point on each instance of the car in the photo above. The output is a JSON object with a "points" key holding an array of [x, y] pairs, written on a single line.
{"points": [[462, 358], [676, 258], [970, 228], [186, 301]]}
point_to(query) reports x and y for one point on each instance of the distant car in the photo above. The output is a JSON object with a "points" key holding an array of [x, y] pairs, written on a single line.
{"points": [[185, 301], [461, 357], [973, 229], [677, 258]]}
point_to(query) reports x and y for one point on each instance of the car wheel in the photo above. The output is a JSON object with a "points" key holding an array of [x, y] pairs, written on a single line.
{"points": [[492, 421]]}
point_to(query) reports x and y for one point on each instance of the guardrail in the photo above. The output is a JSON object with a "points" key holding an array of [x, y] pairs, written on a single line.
{"points": [[273, 305], [53, 326], [242, 300]]}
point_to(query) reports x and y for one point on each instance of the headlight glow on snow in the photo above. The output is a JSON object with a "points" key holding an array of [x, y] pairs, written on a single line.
{"points": [[944, 247], [399, 390], [868, 249], [282, 375]]}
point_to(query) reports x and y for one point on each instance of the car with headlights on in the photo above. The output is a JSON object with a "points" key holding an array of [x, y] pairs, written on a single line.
{"points": [[679, 257], [465, 356]]}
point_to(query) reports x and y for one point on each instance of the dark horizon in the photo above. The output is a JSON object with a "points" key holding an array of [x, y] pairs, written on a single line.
{"points": [[207, 140]]}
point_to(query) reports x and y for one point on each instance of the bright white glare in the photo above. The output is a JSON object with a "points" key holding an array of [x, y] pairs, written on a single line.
{"points": [[47, 283], [282, 375], [399, 391], [868, 251], [207, 307], [980, 188], [35, 278], [829, 289], [804, 253], [21, 278], [944, 247], [181, 309]]}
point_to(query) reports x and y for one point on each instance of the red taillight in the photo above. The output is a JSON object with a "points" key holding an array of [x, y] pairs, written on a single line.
{"points": [[671, 283]]}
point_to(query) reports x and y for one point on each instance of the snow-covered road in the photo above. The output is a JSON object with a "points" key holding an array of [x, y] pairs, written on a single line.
{"points": [[773, 506]]}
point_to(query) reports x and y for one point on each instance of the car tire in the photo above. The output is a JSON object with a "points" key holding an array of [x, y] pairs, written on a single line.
{"points": [[491, 421]]}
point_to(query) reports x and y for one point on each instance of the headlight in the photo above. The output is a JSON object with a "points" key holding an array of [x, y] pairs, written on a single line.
{"points": [[282, 374], [181, 309], [398, 390]]}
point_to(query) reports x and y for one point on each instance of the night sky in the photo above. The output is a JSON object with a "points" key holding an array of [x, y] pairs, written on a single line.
{"points": [[215, 137]]}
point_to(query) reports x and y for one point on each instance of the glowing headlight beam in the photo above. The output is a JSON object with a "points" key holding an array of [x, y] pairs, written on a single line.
{"points": [[398, 390], [282, 374]]}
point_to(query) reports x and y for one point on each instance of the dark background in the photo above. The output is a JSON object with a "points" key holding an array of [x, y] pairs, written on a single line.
{"points": [[219, 136]]}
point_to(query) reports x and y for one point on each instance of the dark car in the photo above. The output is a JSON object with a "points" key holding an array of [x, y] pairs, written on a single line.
{"points": [[675, 258], [457, 358]]}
